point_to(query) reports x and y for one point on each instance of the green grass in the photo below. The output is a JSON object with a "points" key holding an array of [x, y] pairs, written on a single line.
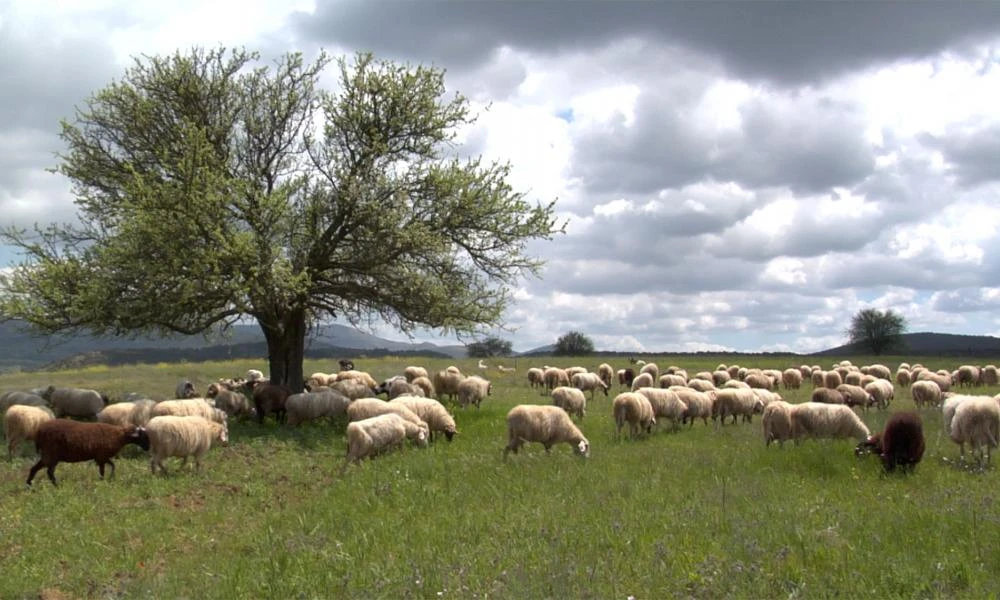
{"points": [[695, 514]]}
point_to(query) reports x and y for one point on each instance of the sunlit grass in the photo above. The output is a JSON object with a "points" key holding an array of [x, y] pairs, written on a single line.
{"points": [[701, 513]]}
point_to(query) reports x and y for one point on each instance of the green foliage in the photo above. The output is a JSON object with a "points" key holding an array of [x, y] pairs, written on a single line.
{"points": [[211, 188], [573, 343], [491, 346], [877, 331], [698, 513]]}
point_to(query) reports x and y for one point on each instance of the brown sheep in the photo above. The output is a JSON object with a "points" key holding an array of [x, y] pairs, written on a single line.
{"points": [[64, 440]]}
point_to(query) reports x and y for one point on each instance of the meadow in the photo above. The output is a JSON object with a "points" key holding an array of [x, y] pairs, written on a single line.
{"points": [[698, 513]]}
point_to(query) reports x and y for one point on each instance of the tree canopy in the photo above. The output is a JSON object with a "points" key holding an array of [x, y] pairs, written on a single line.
{"points": [[489, 347], [573, 343], [211, 188], [877, 331]]}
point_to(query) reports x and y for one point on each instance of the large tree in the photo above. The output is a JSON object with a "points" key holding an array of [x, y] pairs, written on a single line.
{"points": [[489, 347], [211, 188], [877, 330], [573, 343]]}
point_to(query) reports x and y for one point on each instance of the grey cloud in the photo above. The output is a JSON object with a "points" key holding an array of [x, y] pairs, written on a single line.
{"points": [[966, 300], [973, 153], [783, 41]]}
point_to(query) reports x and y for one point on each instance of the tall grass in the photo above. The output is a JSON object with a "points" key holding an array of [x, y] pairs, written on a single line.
{"points": [[700, 513]]}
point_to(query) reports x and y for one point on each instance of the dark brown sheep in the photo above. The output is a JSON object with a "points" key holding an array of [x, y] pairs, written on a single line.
{"points": [[270, 398], [63, 440], [900, 444], [626, 377]]}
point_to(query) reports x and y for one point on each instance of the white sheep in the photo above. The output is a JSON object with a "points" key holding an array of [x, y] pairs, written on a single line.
{"points": [[137, 413], [700, 405], [446, 383], [546, 425], [666, 404], [255, 375], [834, 421], [738, 403], [925, 392], [642, 380], [20, 423], [632, 408], [570, 399], [670, 380], [364, 408], [555, 377], [412, 372], [431, 412], [182, 437], [353, 388], [777, 422], [361, 376], [882, 391], [371, 436], [589, 382], [703, 385], [191, 407], [425, 385], [473, 390], [536, 377], [607, 373], [948, 407], [652, 369], [977, 423], [310, 406]]}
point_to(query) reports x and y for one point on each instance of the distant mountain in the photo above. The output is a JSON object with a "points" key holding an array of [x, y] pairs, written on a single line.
{"points": [[541, 350], [931, 344], [23, 349]]}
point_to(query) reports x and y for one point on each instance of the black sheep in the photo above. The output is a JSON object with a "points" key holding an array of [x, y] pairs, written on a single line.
{"points": [[64, 440], [900, 444]]}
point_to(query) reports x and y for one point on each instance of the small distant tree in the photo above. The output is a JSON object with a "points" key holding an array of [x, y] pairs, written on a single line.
{"points": [[574, 343], [877, 330], [491, 346]]}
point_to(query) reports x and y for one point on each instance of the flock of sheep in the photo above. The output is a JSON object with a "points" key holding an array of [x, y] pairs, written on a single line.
{"points": [[415, 410]]}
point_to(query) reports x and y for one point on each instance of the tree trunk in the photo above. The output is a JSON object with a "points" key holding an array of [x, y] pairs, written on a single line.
{"points": [[286, 341]]}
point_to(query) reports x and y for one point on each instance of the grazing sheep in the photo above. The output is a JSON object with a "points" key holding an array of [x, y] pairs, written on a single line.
{"points": [[138, 413], [606, 373], [536, 377], [364, 408], [990, 375], [856, 396], [185, 389], [546, 425], [316, 380], [432, 412], [310, 406], [369, 437], [652, 369], [737, 402], [234, 404], [633, 408], [903, 378], [832, 379], [269, 398], [700, 405], [666, 404], [925, 393], [879, 372], [65, 440], [473, 390], [570, 399], [900, 444], [642, 380], [425, 386], [834, 421], [182, 437], [589, 382], [759, 380], [75, 402], [951, 402], [571, 371], [777, 422], [736, 383], [254, 375], [9, 399], [412, 372], [720, 377], [882, 391], [702, 385], [853, 378], [504, 369], [626, 377], [361, 376], [766, 396], [397, 386], [453, 369], [352, 388], [977, 423], [670, 380], [196, 407], [791, 378], [942, 381], [446, 383], [555, 377], [827, 396], [20, 423], [817, 378], [967, 376]]}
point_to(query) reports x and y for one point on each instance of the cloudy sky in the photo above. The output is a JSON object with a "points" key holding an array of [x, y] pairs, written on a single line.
{"points": [[735, 175]]}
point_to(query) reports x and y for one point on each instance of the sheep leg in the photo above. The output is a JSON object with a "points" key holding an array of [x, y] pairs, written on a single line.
{"points": [[34, 469]]}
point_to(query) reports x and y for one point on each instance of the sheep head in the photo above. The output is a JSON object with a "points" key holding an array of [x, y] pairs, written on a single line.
{"points": [[138, 436], [872, 444], [582, 448]]}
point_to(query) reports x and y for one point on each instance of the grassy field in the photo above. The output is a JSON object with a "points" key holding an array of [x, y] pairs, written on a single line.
{"points": [[699, 513]]}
